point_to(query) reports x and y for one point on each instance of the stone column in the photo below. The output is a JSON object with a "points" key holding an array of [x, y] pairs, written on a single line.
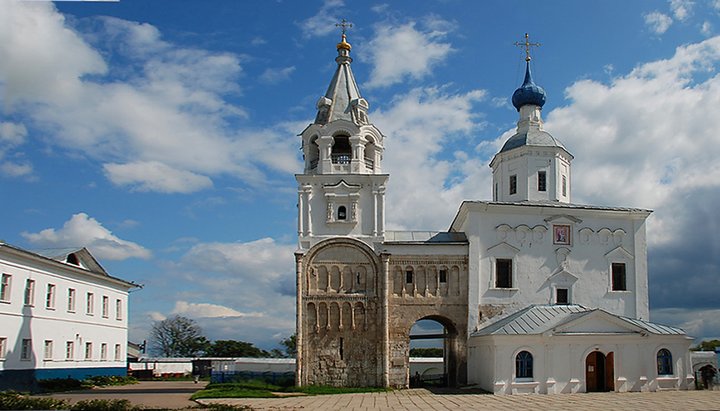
{"points": [[325, 147], [385, 300], [357, 163], [299, 320]]}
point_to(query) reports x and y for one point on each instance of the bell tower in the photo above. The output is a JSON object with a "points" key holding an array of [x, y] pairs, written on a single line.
{"points": [[341, 192]]}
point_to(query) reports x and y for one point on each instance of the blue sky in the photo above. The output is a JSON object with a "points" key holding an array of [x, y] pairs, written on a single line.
{"points": [[162, 134]]}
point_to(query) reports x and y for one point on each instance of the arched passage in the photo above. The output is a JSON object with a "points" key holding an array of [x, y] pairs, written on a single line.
{"points": [[599, 372], [433, 338]]}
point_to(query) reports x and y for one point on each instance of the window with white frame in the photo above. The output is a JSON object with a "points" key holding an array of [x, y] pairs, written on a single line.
{"points": [[105, 306], [88, 350], [71, 300], [118, 352], [70, 350], [542, 181], [103, 352], [513, 184], [524, 365], [90, 304], [48, 350], [664, 362], [562, 296], [503, 273], [619, 277], [5, 287], [3, 347], [29, 299], [50, 297], [26, 349], [118, 309]]}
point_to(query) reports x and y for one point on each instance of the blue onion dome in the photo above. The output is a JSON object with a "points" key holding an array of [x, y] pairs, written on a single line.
{"points": [[529, 92]]}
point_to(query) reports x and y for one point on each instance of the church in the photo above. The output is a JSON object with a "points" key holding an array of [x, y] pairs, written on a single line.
{"points": [[536, 294]]}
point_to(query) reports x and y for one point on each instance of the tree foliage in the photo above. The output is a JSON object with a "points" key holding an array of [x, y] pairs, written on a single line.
{"points": [[290, 345], [709, 345], [233, 348], [177, 336], [426, 352]]}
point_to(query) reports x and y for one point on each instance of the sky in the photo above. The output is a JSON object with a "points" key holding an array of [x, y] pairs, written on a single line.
{"points": [[162, 134]]}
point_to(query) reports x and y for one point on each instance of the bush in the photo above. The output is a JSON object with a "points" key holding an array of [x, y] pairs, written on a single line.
{"points": [[11, 400], [60, 384], [104, 405], [106, 380]]}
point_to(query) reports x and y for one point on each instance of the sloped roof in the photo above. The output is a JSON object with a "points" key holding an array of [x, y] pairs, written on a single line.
{"points": [[425, 237], [539, 319]]}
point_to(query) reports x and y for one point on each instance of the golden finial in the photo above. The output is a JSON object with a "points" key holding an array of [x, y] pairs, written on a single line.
{"points": [[344, 24], [527, 46]]}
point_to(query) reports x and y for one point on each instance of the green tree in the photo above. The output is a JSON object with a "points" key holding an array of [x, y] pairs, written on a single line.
{"points": [[426, 352], [290, 345], [233, 348], [709, 345], [177, 336]]}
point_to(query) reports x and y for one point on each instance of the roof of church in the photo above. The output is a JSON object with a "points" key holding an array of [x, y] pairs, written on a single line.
{"points": [[532, 137], [425, 237], [342, 91], [557, 204], [538, 319], [529, 92]]}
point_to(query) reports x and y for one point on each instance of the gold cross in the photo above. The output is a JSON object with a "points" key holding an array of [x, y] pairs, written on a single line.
{"points": [[344, 24], [527, 46]]}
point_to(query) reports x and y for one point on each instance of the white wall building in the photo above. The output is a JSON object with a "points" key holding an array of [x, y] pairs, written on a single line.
{"points": [[60, 316], [536, 293]]}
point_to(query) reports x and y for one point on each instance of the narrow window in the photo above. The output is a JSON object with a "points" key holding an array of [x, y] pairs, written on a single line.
{"points": [[564, 186], [48, 352], [664, 362], [5, 288], [495, 195], [88, 351], [542, 181], [69, 350], [26, 349], [342, 213], [90, 304], [50, 297], [71, 300], [105, 306], [618, 277], [503, 273], [524, 365], [409, 275], [3, 347], [118, 309], [103, 352], [443, 275], [561, 296], [118, 352], [30, 292], [513, 184], [342, 349]]}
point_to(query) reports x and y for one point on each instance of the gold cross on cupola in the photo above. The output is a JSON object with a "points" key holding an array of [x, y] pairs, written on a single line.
{"points": [[344, 24], [527, 46]]}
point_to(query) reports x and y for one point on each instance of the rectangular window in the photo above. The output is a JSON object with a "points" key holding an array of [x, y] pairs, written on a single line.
{"points": [[561, 296], [50, 297], [618, 277], [26, 349], [48, 352], [90, 306], [3, 347], [495, 192], [503, 273], [30, 292], [513, 184], [118, 352], [88, 351], [409, 276], [103, 352], [71, 300], [5, 288], [443, 276], [105, 306], [69, 350], [564, 186], [118, 309], [542, 181]]}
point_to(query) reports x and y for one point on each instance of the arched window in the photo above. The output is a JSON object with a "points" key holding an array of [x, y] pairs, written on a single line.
{"points": [[524, 365], [341, 150], [72, 259], [664, 362], [342, 213]]}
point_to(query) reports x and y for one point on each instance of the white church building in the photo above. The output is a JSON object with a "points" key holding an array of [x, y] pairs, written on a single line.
{"points": [[536, 294], [61, 316]]}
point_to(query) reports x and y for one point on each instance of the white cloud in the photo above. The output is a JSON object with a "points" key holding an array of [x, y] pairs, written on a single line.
{"points": [[206, 310], [13, 169], [696, 322], [706, 28], [323, 22], [155, 176], [658, 22], [84, 231], [682, 9], [276, 75], [398, 52], [12, 134], [166, 109]]}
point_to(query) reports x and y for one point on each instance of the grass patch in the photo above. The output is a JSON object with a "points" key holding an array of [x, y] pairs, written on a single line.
{"points": [[261, 389]]}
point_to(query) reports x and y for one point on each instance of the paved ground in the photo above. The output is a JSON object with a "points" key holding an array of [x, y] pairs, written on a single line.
{"points": [[175, 395]]}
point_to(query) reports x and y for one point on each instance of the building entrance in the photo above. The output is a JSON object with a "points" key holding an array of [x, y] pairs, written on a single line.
{"points": [[599, 372]]}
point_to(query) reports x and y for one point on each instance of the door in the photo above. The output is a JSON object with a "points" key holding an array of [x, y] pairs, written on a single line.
{"points": [[599, 372], [610, 372]]}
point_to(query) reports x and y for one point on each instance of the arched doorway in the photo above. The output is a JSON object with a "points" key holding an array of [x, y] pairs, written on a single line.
{"points": [[433, 339], [599, 372]]}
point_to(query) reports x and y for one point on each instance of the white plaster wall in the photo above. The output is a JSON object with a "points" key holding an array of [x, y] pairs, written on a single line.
{"points": [[38, 323]]}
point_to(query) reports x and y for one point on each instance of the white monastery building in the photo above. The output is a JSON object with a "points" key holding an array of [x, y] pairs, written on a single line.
{"points": [[61, 316], [536, 294]]}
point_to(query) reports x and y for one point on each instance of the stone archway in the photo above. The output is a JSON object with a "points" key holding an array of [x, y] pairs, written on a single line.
{"points": [[448, 335]]}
